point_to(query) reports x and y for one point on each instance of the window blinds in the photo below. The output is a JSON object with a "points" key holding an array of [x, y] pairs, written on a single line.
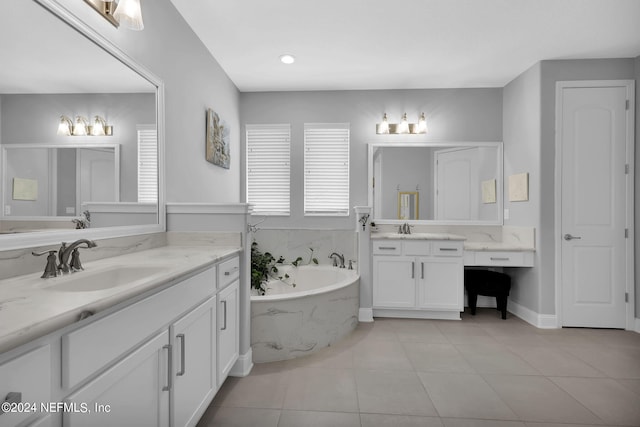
{"points": [[147, 164], [268, 168], [326, 169]]}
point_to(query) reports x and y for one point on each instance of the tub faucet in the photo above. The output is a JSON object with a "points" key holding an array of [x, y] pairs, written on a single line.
{"points": [[335, 262], [72, 250]]}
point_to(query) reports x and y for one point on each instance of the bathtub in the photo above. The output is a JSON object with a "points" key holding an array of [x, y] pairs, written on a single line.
{"points": [[289, 322]]}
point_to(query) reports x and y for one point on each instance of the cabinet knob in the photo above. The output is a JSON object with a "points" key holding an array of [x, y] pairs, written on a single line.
{"points": [[12, 397]]}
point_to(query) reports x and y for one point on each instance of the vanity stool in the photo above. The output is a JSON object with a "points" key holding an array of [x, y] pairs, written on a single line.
{"points": [[488, 283]]}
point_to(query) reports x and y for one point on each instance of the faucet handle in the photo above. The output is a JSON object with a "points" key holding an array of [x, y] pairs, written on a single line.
{"points": [[51, 270], [75, 263]]}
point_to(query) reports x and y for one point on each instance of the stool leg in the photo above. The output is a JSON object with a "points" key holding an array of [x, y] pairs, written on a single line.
{"points": [[473, 301], [502, 305]]}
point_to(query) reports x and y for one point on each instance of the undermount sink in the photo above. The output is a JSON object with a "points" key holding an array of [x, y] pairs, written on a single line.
{"points": [[87, 281]]}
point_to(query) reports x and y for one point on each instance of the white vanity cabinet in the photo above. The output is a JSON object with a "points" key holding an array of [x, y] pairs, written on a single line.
{"points": [[228, 329], [418, 278], [133, 392], [25, 379], [194, 363]]}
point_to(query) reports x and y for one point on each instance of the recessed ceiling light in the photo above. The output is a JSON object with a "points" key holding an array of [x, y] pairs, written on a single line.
{"points": [[287, 59]]}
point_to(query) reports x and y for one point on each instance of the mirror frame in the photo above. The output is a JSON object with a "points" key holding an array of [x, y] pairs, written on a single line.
{"points": [[44, 238], [373, 146]]}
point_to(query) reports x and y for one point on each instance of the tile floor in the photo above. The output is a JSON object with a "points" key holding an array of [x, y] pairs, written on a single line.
{"points": [[481, 371]]}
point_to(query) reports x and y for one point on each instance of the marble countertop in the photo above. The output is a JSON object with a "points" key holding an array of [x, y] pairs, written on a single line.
{"points": [[416, 236], [29, 310], [496, 246]]}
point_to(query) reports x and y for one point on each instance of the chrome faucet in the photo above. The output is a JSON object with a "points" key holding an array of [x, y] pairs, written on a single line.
{"points": [[72, 250], [404, 228], [340, 257]]}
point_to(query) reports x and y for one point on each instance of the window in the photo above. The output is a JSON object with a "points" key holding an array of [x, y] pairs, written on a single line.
{"points": [[326, 169], [268, 168], [147, 164]]}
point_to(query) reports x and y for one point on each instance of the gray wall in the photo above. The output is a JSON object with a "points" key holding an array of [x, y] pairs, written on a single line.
{"points": [[521, 132], [452, 115], [123, 111], [194, 81]]}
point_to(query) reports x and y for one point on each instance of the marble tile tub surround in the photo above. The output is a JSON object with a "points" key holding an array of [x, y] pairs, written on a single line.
{"points": [[478, 237], [296, 243], [286, 329]]}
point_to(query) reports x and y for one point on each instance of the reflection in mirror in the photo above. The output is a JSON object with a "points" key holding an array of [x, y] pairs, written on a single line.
{"points": [[452, 182], [51, 69], [408, 205]]}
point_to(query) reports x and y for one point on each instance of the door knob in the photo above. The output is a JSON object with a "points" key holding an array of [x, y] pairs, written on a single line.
{"points": [[570, 237]]}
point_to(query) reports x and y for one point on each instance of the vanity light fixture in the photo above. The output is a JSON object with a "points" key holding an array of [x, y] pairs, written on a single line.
{"points": [[65, 127], [404, 127], [101, 128], [125, 12], [82, 127]]}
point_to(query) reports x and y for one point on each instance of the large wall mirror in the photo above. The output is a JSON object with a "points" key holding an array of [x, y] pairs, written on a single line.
{"points": [[55, 65], [443, 183]]}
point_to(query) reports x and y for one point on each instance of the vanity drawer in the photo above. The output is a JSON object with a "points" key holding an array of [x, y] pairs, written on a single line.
{"points": [[447, 248], [416, 247], [387, 247], [500, 259], [30, 375], [228, 271], [87, 350]]}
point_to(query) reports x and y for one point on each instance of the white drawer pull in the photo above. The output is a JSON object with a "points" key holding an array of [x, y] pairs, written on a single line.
{"points": [[495, 258], [234, 269], [449, 249], [387, 248]]}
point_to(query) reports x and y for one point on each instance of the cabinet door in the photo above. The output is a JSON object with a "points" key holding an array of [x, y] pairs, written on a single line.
{"points": [[228, 332], [194, 363], [133, 392], [25, 379], [440, 285], [394, 283]]}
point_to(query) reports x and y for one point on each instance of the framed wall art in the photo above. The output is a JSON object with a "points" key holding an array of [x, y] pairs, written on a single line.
{"points": [[217, 144]]}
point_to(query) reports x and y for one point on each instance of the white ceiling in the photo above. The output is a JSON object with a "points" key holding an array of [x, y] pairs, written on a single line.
{"points": [[41, 54], [376, 44]]}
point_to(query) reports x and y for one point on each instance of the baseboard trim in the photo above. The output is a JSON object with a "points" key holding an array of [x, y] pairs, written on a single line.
{"points": [[542, 321], [637, 329], [243, 365], [365, 315]]}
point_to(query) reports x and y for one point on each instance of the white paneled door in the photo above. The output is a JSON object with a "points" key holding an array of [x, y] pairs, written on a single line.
{"points": [[594, 123]]}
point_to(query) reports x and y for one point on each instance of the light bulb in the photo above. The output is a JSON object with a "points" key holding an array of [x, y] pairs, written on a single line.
{"points": [[98, 126], [384, 126], [65, 126], [80, 128], [422, 124], [129, 14], [404, 125]]}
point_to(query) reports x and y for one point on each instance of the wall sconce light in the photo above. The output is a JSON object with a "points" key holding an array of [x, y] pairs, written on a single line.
{"points": [[65, 127], [125, 12], [404, 127]]}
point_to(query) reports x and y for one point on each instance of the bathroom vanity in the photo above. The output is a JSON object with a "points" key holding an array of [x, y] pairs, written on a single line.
{"points": [[418, 275], [153, 349]]}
